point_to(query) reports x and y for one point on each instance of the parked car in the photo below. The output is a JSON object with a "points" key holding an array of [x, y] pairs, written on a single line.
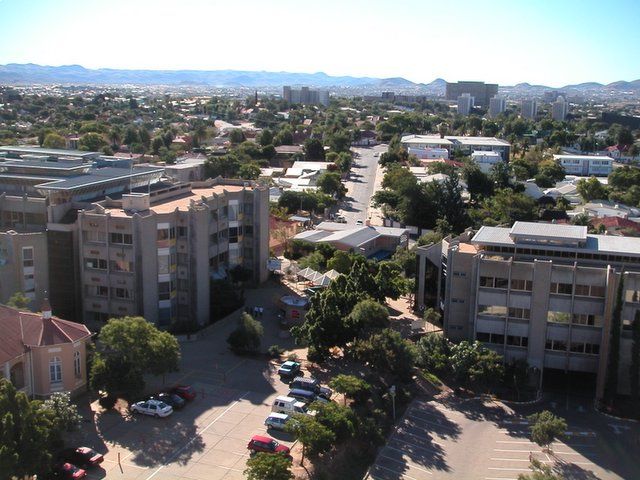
{"points": [[306, 396], [174, 400], [69, 471], [152, 407], [341, 219], [186, 392], [84, 457], [288, 405], [359, 222], [289, 369], [277, 421], [313, 385], [260, 443]]}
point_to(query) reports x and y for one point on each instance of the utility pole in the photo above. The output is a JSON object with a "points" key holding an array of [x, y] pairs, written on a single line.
{"points": [[392, 392]]}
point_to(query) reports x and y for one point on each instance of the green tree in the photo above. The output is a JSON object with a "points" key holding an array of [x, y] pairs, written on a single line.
{"points": [[313, 149], [350, 386], [249, 171], [115, 375], [156, 144], [339, 141], [432, 316], [545, 427], [433, 352], [314, 261], [331, 184], [236, 136], [388, 352], [390, 281], [131, 136], [53, 140], [500, 175], [64, 414], [19, 301], [344, 161], [91, 142], [247, 336], [266, 137], [27, 434], [591, 189], [314, 437], [540, 471], [478, 183], [339, 419], [266, 466], [340, 262], [367, 316], [611, 383]]}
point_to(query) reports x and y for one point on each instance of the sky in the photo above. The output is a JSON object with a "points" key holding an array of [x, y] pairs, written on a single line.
{"points": [[550, 42]]}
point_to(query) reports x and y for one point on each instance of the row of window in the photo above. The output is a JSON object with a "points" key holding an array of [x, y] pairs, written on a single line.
{"points": [[574, 347], [576, 319], [581, 290], [498, 339], [99, 236], [502, 311], [114, 265], [562, 253], [116, 292], [55, 368], [503, 283]]}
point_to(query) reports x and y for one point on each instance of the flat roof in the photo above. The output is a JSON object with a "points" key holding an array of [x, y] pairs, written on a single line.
{"points": [[582, 157], [428, 139], [551, 231], [487, 141], [48, 151], [99, 176]]}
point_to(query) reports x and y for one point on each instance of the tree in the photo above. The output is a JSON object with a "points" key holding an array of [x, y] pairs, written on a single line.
{"points": [[478, 183], [339, 141], [433, 352], [487, 370], [339, 419], [131, 136], [340, 262], [115, 375], [551, 169], [91, 142], [350, 386], [247, 336], [19, 301], [388, 352], [64, 414], [314, 437], [156, 144], [500, 175], [591, 189], [266, 466], [236, 136], [266, 137], [27, 434], [546, 427], [331, 184], [432, 316], [540, 472], [249, 171], [611, 382], [390, 281], [313, 149], [367, 316], [53, 140]]}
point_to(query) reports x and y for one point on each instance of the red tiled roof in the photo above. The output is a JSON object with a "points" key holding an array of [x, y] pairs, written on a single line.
{"points": [[615, 222], [25, 329]]}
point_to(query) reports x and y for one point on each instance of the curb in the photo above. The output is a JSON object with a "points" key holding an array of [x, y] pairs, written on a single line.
{"points": [[613, 417]]}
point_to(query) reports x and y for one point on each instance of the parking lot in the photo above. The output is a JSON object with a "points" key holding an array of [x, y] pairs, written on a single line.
{"points": [[490, 441]]}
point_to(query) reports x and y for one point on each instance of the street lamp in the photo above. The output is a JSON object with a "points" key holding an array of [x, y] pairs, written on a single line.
{"points": [[392, 392]]}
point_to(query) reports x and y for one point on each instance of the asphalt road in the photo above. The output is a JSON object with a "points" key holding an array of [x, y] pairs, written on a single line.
{"points": [[360, 184]]}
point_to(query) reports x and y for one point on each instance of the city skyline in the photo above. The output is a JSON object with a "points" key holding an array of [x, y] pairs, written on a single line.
{"points": [[428, 32]]}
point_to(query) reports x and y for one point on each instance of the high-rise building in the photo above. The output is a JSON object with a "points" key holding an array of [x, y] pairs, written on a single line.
{"points": [[480, 91], [543, 293], [497, 105], [465, 104], [305, 96], [559, 109], [529, 109]]}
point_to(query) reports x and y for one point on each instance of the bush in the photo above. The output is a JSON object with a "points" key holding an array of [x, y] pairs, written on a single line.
{"points": [[247, 336], [292, 357], [108, 401], [275, 351]]}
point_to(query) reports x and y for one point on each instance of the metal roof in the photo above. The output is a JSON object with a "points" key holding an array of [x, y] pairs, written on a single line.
{"points": [[99, 176], [48, 151], [550, 231]]}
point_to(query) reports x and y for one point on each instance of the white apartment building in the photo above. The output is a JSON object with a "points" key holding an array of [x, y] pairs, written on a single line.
{"points": [[559, 109], [465, 104], [585, 165], [497, 105], [486, 159], [529, 109]]}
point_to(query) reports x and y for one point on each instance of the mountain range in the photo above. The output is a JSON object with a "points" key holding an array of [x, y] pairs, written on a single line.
{"points": [[75, 74]]}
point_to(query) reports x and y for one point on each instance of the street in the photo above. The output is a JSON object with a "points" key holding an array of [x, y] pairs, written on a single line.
{"points": [[361, 183]]}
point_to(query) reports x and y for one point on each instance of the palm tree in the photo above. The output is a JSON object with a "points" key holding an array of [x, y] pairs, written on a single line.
{"points": [[115, 136]]}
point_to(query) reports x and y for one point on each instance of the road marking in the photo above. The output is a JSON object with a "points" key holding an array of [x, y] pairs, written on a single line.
{"points": [[128, 464], [499, 478], [516, 460], [514, 441], [177, 452], [394, 472], [407, 464], [505, 450], [413, 445], [435, 424], [511, 469], [402, 430]]}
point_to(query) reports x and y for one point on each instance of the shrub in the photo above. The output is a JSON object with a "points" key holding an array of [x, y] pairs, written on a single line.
{"points": [[247, 336], [275, 351]]}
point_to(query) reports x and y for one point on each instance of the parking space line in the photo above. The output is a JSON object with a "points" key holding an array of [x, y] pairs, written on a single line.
{"points": [[444, 427], [511, 469], [499, 478], [408, 465], [402, 430], [127, 464], [508, 450], [412, 444], [403, 475], [177, 452]]}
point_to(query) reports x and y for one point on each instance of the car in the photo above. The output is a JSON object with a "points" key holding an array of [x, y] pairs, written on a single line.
{"points": [[186, 392], [261, 443], [306, 396], [69, 471], [82, 456], [376, 154], [340, 219], [359, 222], [312, 385], [289, 369], [277, 421], [174, 400], [152, 407]]}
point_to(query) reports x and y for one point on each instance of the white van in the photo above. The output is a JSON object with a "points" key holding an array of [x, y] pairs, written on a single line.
{"points": [[288, 405]]}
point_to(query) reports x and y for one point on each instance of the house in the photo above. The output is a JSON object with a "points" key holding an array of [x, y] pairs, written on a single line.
{"points": [[622, 227], [42, 354], [366, 138]]}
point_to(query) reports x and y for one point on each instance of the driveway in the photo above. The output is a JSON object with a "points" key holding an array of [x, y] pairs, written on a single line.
{"points": [[490, 441], [361, 183]]}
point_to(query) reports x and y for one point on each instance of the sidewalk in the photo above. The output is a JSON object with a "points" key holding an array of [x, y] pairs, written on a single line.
{"points": [[375, 214]]}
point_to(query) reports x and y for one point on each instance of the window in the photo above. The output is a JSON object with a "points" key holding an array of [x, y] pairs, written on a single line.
{"points": [[27, 257], [163, 234], [248, 229], [233, 234], [517, 341], [182, 232], [97, 290], [76, 364], [515, 312], [233, 211], [55, 370], [95, 236], [501, 282], [632, 296], [163, 264], [590, 291], [589, 348], [494, 310], [558, 317], [587, 319], [597, 291], [561, 288], [123, 293], [495, 338], [121, 238], [582, 290], [183, 258], [96, 263], [248, 208], [164, 290], [121, 266], [556, 345], [517, 284]]}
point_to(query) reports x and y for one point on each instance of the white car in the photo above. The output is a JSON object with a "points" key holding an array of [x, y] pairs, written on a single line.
{"points": [[155, 408], [359, 222]]}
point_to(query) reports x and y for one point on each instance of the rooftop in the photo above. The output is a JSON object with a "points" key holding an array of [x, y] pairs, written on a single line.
{"points": [[54, 152], [582, 157]]}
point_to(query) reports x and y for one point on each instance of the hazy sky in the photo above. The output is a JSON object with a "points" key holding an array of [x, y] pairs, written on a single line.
{"points": [[553, 42]]}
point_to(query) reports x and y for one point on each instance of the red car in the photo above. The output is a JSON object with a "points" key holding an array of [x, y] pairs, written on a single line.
{"points": [[69, 471], [259, 443], [185, 391], [82, 456]]}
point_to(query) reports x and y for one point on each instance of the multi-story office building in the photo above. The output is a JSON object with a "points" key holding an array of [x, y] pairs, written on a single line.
{"points": [[497, 105], [529, 109], [466, 145], [559, 109], [480, 91], [543, 293], [486, 160], [465, 104], [586, 165], [305, 96], [155, 254]]}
